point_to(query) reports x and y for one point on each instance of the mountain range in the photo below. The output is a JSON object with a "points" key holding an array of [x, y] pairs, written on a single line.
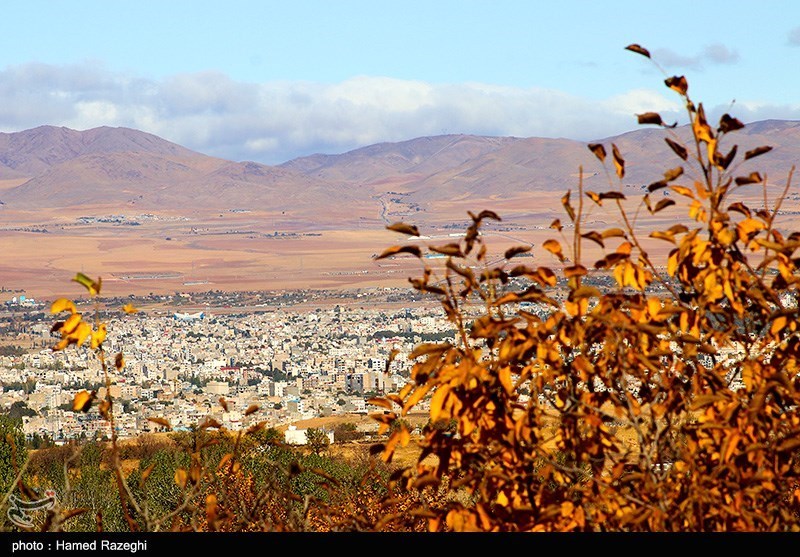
{"points": [[120, 168], [151, 216]]}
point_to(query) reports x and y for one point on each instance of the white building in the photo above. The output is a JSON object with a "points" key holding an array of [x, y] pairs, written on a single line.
{"points": [[294, 436]]}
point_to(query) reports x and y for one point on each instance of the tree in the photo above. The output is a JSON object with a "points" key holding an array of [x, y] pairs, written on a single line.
{"points": [[346, 432], [669, 401], [268, 436], [19, 409], [13, 451], [317, 440]]}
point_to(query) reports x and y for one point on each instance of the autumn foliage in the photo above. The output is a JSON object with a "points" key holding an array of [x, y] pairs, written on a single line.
{"points": [[667, 401]]}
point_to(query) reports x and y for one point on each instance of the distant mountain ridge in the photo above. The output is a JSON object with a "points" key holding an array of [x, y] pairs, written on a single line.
{"points": [[36, 150], [127, 168], [123, 167]]}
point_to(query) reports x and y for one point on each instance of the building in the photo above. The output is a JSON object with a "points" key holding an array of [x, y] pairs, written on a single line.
{"points": [[294, 436]]}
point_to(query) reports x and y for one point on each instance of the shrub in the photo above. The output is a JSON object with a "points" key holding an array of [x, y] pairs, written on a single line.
{"points": [[668, 402]]}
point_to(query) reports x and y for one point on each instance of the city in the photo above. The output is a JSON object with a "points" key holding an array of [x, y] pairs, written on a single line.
{"points": [[299, 359]]}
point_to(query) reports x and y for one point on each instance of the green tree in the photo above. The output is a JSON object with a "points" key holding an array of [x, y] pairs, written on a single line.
{"points": [[268, 436], [19, 409], [13, 451], [346, 432], [317, 440]]}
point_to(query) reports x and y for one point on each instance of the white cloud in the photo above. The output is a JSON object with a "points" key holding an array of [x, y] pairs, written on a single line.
{"points": [[94, 114], [276, 121]]}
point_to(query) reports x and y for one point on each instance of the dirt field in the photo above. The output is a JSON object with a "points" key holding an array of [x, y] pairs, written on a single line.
{"points": [[233, 252]]}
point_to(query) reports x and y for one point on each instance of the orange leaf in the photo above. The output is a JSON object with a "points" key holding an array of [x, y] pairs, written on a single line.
{"points": [[619, 162], [181, 476], [598, 150], [516, 250], [62, 304], [83, 401], [638, 50], [678, 84], [161, 421], [404, 228], [415, 397], [413, 250], [554, 247]]}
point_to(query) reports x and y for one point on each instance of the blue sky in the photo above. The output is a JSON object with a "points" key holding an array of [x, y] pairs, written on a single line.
{"points": [[268, 81]]}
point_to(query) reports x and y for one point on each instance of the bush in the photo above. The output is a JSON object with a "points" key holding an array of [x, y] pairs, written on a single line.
{"points": [[668, 402]]}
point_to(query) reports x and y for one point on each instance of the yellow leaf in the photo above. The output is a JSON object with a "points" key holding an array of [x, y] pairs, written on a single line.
{"points": [[682, 190], [99, 336], [415, 397], [700, 127], [575, 271], [630, 276], [712, 151], [71, 324], [672, 263], [778, 324], [211, 508], [619, 274], [619, 162], [405, 437], [748, 227], [505, 380], [62, 304], [677, 83], [146, 473], [83, 401], [554, 247], [251, 409], [732, 443], [726, 236], [598, 150], [697, 212], [546, 276], [613, 233], [92, 286], [577, 308], [128, 308], [437, 402], [224, 460], [62, 344], [81, 333], [653, 306], [180, 477], [624, 248], [388, 450], [394, 250], [502, 500]]}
